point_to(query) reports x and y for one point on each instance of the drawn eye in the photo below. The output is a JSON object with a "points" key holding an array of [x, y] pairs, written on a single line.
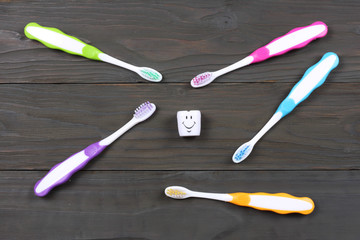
{"points": [[186, 117], [190, 117]]}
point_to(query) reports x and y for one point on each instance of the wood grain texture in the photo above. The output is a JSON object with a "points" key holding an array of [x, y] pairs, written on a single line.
{"points": [[132, 205], [53, 104], [179, 38], [42, 125]]}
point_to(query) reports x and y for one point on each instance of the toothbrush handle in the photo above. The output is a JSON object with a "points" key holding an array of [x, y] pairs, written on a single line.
{"points": [[56, 39], [296, 38], [313, 78], [281, 203], [62, 172]]}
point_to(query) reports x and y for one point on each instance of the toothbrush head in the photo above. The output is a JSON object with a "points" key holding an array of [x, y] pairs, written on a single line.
{"points": [[177, 192], [242, 152], [202, 79], [150, 74], [144, 111]]}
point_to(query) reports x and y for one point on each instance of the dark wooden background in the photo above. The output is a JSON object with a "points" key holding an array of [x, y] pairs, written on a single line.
{"points": [[53, 104]]}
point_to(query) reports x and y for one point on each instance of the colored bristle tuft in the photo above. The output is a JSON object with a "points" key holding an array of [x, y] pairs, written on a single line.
{"points": [[143, 109], [150, 75], [174, 193], [240, 154], [199, 79]]}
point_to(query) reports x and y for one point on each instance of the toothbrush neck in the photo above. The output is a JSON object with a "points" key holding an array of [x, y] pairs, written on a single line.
{"points": [[273, 120], [214, 196], [109, 59], [242, 63], [110, 139]]}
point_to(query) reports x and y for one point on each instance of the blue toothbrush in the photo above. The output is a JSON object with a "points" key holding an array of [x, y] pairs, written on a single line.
{"points": [[313, 78]]}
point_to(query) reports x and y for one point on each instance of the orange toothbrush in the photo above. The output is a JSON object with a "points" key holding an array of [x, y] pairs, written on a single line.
{"points": [[281, 203]]}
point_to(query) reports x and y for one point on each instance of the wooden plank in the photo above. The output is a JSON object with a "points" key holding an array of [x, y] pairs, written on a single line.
{"points": [[41, 125], [132, 205], [180, 38]]}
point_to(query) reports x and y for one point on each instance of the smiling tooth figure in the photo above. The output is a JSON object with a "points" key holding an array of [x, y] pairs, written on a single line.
{"points": [[189, 123]]}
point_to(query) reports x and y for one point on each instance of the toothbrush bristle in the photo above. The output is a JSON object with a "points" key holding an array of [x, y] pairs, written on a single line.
{"points": [[242, 153], [144, 110], [201, 78], [150, 75], [175, 193]]}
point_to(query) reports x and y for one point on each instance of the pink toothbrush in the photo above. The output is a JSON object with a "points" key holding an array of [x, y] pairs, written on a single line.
{"points": [[296, 38], [62, 172]]}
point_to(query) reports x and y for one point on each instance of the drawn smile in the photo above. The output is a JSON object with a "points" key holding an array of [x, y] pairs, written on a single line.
{"points": [[189, 128]]}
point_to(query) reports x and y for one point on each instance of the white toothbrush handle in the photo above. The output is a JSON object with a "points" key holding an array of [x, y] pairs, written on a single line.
{"points": [[273, 120], [214, 196], [296, 38], [281, 203], [242, 63], [62, 172], [110, 139], [313, 78], [56, 39], [107, 58]]}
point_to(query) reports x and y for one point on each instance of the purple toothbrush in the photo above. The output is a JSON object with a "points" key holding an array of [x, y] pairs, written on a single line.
{"points": [[62, 172]]}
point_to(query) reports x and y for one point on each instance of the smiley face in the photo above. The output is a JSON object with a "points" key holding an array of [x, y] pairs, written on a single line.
{"points": [[189, 123]]}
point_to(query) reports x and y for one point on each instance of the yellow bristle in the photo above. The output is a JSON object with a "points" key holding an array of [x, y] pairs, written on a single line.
{"points": [[175, 193]]}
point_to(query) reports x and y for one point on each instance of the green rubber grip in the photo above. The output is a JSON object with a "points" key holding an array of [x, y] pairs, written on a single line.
{"points": [[88, 51]]}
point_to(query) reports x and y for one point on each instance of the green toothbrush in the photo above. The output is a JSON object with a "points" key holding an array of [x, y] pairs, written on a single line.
{"points": [[56, 39]]}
